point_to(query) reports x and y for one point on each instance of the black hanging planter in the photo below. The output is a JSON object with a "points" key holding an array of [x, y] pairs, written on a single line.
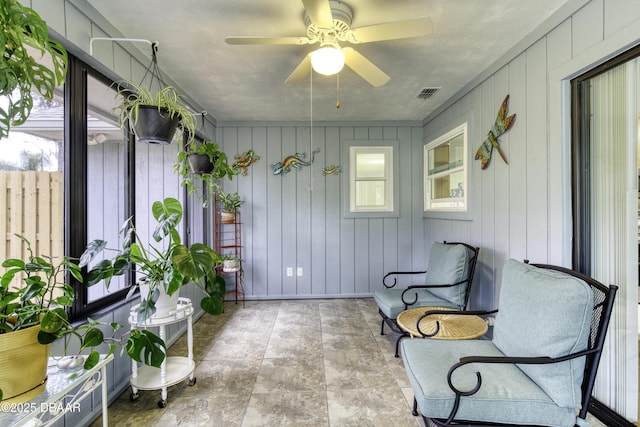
{"points": [[200, 163], [154, 126]]}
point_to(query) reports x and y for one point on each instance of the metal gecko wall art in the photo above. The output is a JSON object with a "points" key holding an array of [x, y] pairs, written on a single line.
{"points": [[244, 160], [331, 170], [501, 125], [294, 161]]}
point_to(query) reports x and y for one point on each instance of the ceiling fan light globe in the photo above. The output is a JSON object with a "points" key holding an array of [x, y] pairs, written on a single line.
{"points": [[327, 60]]}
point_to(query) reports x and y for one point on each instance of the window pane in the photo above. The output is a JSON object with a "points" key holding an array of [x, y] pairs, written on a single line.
{"points": [[105, 177], [370, 165], [370, 193], [448, 186], [446, 156], [31, 182]]}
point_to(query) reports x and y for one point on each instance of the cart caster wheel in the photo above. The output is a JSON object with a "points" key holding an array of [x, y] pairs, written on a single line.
{"points": [[134, 396], [162, 403], [193, 381]]}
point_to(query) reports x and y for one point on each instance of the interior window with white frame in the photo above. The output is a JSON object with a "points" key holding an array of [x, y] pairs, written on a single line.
{"points": [[445, 172], [371, 178]]}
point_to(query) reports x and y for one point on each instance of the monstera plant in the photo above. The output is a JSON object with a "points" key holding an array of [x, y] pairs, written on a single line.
{"points": [[162, 269], [26, 45]]}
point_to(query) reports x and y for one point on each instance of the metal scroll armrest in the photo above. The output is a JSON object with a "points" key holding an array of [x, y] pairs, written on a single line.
{"points": [[397, 273], [505, 359], [444, 285]]}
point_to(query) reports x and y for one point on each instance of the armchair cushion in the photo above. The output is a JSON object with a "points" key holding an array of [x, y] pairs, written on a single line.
{"points": [[545, 313], [507, 395], [448, 264], [390, 300]]}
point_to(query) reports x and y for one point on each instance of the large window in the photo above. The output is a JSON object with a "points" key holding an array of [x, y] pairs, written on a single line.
{"points": [[31, 182], [445, 172]]}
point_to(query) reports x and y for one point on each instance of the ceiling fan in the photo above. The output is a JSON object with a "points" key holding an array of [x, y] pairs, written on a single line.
{"points": [[328, 23]]}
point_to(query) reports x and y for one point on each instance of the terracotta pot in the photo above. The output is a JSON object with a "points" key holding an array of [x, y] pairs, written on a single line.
{"points": [[23, 365], [228, 217]]}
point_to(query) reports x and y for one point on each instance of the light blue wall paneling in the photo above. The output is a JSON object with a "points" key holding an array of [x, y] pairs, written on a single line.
{"points": [[297, 221], [521, 210]]}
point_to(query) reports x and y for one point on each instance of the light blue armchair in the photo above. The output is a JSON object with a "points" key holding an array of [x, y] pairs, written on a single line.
{"points": [[540, 366], [447, 284]]}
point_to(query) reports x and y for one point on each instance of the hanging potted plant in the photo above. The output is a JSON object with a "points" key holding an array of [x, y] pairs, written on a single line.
{"points": [[24, 33], [34, 294], [153, 118], [231, 202], [204, 161]]}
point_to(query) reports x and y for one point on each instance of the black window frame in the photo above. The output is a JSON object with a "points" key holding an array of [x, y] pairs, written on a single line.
{"points": [[75, 182], [580, 155]]}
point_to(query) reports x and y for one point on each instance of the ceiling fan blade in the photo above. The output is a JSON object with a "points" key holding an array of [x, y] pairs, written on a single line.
{"points": [[301, 70], [393, 30], [266, 40], [319, 12], [364, 68]]}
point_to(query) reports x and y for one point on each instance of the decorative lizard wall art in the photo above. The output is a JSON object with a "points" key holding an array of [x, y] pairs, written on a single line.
{"points": [[331, 170], [501, 125], [294, 161], [244, 160]]}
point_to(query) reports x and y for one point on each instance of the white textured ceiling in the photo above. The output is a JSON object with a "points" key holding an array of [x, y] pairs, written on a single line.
{"points": [[246, 83]]}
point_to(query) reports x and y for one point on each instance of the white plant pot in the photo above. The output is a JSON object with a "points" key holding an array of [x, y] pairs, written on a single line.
{"points": [[230, 265], [166, 305]]}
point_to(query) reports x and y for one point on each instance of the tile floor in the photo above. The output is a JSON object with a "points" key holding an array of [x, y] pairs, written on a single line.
{"points": [[284, 363]]}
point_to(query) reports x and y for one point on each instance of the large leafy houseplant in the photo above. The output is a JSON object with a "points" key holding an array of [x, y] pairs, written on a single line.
{"points": [[217, 167], [146, 112], [169, 267], [38, 302], [24, 34]]}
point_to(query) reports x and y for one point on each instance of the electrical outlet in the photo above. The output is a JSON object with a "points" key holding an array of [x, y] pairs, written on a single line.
{"points": [[289, 271], [299, 271]]}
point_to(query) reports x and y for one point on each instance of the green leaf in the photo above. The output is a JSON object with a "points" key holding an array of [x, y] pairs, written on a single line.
{"points": [[102, 270], [92, 360], [121, 265], [194, 261], [219, 286], [174, 281], [147, 308], [145, 347], [54, 320], [12, 262], [168, 214], [34, 288], [46, 338], [92, 338], [213, 306], [93, 248]]}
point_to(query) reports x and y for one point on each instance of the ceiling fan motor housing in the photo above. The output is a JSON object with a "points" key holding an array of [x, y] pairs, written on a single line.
{"points": [[342, 18]]}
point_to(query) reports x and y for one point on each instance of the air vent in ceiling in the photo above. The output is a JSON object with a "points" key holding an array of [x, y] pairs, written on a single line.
{"points": [[428, 92]]}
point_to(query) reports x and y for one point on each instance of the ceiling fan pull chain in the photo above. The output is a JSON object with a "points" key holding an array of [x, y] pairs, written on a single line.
{"points": [[337, 90]]}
